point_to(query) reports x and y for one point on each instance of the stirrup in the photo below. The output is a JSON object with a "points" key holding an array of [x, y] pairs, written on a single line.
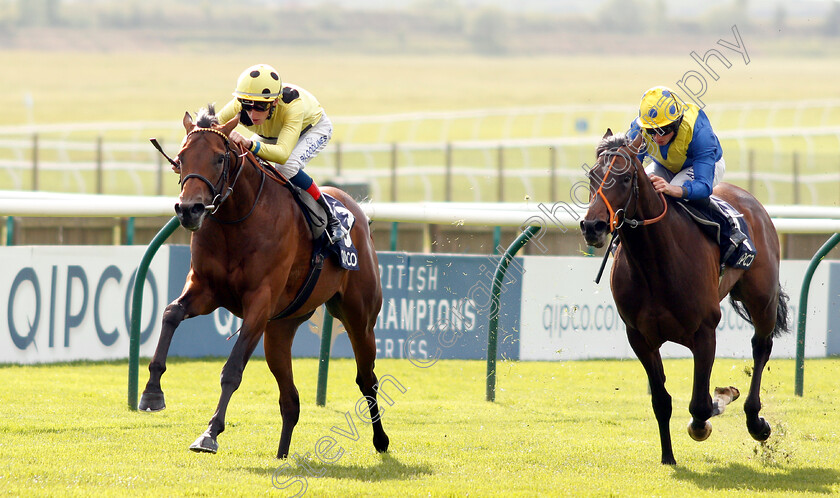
{"points": [[339, 234], [737, 236]]}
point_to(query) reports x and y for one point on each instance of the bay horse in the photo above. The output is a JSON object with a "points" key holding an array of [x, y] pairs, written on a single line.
{"points": [[667, 287], [250, 253]]}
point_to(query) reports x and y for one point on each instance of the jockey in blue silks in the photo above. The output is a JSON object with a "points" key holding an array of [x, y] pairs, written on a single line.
{"points": [[686, 156]]}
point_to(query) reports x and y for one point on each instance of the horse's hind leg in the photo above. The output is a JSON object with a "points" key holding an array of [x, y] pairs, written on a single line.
{"points": [[359, 327], [190, 303], [764, 310], [758, 427], [764, 320], [660, 399], [277, 342]]}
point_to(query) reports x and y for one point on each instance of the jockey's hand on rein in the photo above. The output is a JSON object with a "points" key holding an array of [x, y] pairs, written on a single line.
{"points": [[237, 138]]}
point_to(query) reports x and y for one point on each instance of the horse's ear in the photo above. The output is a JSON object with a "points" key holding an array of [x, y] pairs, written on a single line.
{"points": [[230, 125], [608, 133], [637, 144], [188, 122]]}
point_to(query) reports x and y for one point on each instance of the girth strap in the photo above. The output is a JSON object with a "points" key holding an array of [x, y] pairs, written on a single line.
{"points": [[307, 287]]}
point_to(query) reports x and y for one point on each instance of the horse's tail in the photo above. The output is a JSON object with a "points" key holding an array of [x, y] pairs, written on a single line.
{"points": [[782, 324]]}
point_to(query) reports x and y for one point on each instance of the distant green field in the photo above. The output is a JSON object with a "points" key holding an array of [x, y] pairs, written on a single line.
{"points": [[125, 86], [582, 428], [160, 87]]}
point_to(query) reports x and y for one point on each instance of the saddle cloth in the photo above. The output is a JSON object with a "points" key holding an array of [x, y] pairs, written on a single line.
{"points": [[344, 250], [718, 229]]}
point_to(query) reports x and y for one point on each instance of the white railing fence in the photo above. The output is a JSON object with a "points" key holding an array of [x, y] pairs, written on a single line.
{"points": [[784, 152]]}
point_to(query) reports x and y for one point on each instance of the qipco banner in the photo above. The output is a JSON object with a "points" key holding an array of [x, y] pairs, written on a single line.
{"points": [[63, 303], [567, 316], [434, 307]]}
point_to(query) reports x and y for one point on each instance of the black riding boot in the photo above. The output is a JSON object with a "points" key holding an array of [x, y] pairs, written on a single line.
{"points": [[735, 235], [335, 231]]}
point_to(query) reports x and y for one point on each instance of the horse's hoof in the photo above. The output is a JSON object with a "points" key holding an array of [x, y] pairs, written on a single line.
{"points": [[205, 444], [381, 444], [763, 432], [701, 434], [151, 402], [730, 391], [669, 460]]}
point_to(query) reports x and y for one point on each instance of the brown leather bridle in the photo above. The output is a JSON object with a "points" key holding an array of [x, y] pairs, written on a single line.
{"points": [[614, 222]]}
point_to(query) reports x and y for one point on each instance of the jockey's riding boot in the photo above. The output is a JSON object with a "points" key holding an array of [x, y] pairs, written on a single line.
{"points": [[335, 231], [736, 236]]}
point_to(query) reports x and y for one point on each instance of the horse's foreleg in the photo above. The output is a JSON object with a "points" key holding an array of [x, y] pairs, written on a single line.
{"points": [[758, 427], [660, 399], [278, 354], [230, 381], [152, 398], [701, 406]]}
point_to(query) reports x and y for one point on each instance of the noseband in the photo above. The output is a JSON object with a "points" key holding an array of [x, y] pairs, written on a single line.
{"points": [[615, 223], [218, 198]]}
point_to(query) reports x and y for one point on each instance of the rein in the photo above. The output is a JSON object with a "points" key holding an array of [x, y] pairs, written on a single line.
{"points": [[614, 223]]}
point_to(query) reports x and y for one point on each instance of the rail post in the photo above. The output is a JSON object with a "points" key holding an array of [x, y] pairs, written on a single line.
{"points": [[324, 358], [137, 305], [799, 381], [495, 307], [10, 230]]}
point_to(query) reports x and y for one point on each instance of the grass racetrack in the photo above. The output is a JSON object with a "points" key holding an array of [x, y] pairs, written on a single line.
{"points": [[582, 428]]}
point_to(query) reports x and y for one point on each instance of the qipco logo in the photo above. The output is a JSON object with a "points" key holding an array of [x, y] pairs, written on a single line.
{"points": [[73, 300]]}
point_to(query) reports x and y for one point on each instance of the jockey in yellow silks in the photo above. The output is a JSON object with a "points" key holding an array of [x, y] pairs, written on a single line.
{"points": [[290, 128], [686, 156]]}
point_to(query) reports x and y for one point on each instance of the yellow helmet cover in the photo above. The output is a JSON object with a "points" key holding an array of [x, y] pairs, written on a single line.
{"points": [[659, 107], [261, 82]]}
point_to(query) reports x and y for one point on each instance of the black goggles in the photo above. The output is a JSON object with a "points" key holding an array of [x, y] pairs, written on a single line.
{"points": [[664, 130], [255, 105]]}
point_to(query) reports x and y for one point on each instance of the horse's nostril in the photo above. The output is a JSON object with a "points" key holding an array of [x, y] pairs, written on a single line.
{"points": [[178, 208], [196, 209]]}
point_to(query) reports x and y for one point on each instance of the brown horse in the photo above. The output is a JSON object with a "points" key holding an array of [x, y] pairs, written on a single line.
{"points": [[251, 255], [666, 285]]}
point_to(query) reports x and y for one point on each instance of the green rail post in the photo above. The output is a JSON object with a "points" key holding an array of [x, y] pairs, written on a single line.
{"points": [[497, 239], [803, 312], [137, 305], [129, 231], [324, 358], [10, 231], [394, 233], [495, 307]]}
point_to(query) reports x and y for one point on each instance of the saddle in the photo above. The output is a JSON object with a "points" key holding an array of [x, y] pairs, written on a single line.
{"points": [[715, 223]]}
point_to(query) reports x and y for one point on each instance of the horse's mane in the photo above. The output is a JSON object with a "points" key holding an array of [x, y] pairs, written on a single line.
{"points": [[207, 117], [612, 142]]}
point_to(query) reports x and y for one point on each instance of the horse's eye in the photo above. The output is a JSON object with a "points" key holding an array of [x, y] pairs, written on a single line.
{"points": [[220, 159]]}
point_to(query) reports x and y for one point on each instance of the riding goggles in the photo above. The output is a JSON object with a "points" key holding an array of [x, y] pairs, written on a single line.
{"points": [[665, 129], [254, 105]]}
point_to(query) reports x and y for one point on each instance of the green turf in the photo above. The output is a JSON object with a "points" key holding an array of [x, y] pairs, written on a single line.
{"points": [[557, 429]]}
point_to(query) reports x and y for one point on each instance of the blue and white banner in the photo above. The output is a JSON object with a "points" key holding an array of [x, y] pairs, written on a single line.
{"points": [[72, 303], [434, 306]]}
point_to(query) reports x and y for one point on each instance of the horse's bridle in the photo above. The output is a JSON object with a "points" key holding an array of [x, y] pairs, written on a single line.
{"points": [[614, 222], [215, 189]]}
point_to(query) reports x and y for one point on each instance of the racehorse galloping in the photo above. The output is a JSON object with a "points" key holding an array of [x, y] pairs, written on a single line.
{"points": [[251, 255], [666, 286]]}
